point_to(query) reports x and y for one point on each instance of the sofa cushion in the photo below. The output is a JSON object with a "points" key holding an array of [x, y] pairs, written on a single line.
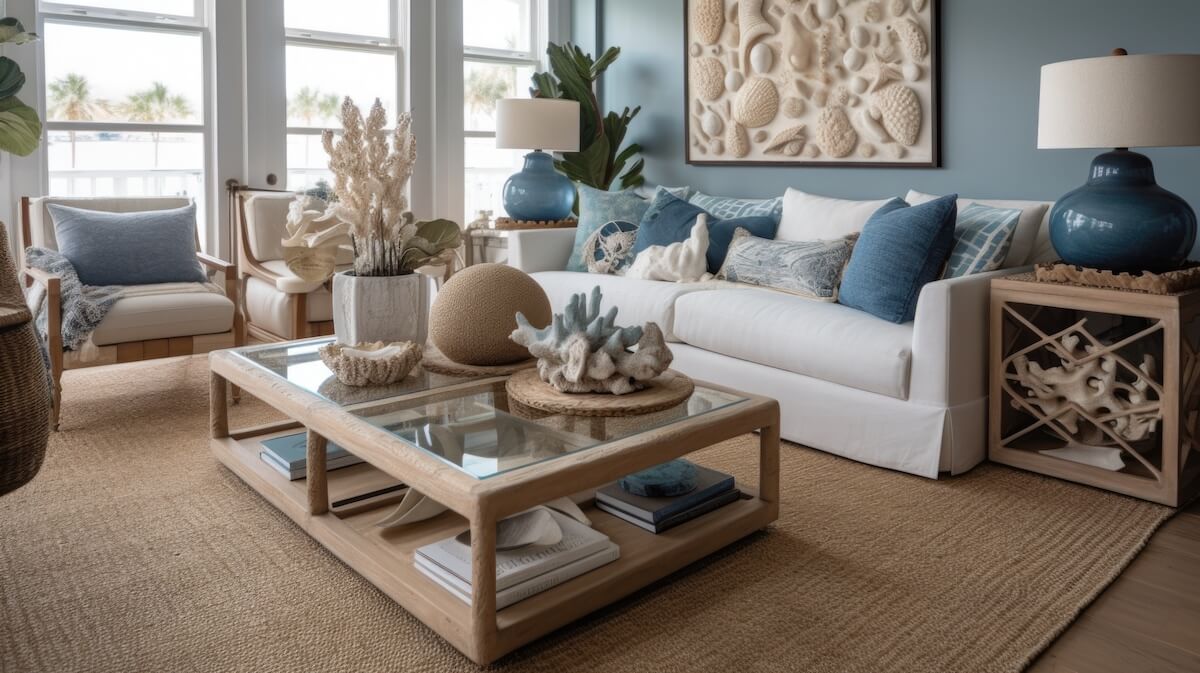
{"points": [[669, 220], [982, 239], [271, 308], [1030, 242], [726, 207], [163, 311], [823, 340], [41, 224], [598, 207], [809, 217], [810, 269], [638, 301]]}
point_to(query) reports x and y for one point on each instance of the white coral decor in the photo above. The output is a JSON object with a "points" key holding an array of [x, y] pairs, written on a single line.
{"points": [[370, 180], [585, 352]]}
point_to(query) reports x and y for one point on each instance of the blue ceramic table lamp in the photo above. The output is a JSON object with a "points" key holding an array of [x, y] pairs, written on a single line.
{"points": [[1121, 220], [538, 193]]}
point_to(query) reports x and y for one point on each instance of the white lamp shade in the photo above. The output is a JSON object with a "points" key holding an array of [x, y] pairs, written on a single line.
{"points": [[537, 124], [1144, 100]]}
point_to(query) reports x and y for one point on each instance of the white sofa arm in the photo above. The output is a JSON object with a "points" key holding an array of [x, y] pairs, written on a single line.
{"points": [[950, 340], [540, 249]]}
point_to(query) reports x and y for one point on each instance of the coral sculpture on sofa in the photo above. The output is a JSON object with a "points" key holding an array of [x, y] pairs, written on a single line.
{"points": [[585, 352]]}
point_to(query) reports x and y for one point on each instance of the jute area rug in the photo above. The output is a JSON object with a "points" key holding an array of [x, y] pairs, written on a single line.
{"points": [[134, 550]]}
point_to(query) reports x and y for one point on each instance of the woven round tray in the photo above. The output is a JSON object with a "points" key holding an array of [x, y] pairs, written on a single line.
{"points": [[434, 361], [526, 388], [508, 224]]}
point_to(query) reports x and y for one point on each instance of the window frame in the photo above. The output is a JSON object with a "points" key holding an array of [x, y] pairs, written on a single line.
{"points": [[200, 25], [540, 30], [394, 45]]}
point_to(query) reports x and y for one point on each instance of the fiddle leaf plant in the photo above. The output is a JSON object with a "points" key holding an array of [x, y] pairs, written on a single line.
{"points": [[20, 128], [600, 160]]}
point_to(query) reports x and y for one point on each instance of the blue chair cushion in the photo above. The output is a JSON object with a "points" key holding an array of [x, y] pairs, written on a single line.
{"points": [[153, 246], [901, 248], [670, 219]]}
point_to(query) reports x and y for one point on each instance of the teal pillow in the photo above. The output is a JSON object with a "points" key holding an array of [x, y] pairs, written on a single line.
{"points": [[982, 238], [726, 207], [598, 207], [670, 220], [901, 248], [152, 246]]}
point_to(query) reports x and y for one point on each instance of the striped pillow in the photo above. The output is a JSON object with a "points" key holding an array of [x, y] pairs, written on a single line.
{"points": [[725, 208], [982, 237]]}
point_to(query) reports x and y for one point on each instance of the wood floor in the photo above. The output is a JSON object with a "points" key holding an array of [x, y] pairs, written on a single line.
{"points": [[1149, 619]]}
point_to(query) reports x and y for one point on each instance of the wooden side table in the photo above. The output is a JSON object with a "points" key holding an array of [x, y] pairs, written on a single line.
{"points": [[1075, 366]]}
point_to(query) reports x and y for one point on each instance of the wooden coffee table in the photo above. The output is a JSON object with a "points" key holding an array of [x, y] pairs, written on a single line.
{"points": [[503, 463]]}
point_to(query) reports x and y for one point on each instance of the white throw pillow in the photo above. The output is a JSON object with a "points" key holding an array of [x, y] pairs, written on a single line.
{"points": [[808, 217], [1031, 241], [682, 262]]}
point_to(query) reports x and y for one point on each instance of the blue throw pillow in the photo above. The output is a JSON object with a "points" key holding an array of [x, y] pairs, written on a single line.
{"points": [[982, 239], [901, 248], [610, 248], [598, 207], [726, 207], [670, 219], [153, 246]]}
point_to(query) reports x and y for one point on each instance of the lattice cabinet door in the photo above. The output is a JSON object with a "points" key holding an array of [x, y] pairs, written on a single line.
{"points": [[1101, 387]]}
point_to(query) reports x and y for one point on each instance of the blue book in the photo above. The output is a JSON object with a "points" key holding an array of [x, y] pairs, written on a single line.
{"points": [[290, 452], [709, 485]]}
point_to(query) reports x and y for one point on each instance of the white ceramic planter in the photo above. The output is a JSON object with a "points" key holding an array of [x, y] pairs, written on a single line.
{"points": [[387, 308]]}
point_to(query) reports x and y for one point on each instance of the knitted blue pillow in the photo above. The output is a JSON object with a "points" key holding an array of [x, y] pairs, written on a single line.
{"points": [[142, 248], [901, 249]]}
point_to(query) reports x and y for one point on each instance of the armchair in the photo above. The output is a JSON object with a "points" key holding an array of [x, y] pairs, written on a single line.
{"points": [[157, 321]]}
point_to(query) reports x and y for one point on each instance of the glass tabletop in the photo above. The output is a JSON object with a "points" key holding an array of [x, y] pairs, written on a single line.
{"points": [[299, 363], [474, 428]]}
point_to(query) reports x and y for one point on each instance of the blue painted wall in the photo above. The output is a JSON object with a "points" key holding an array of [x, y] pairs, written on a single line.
{"points": [[992, 51]]}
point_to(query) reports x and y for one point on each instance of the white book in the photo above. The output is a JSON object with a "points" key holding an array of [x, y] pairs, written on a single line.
{"points": [[519, 565], [529, 587]]}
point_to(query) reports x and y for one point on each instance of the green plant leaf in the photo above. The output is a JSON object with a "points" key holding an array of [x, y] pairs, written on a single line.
{"points": [[12, 32], [11, 77], [435, 236], [20, 128], [633, 176], [606, 59]]}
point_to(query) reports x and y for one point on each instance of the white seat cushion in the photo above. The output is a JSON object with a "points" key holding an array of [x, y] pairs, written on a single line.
{"points": [[826, 341], [639, 301], [163, 312], [270, 308]]}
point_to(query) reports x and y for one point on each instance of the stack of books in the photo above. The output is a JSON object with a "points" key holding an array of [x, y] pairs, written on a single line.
{"points": [[524, 572], [289, 455], [713, 490]]}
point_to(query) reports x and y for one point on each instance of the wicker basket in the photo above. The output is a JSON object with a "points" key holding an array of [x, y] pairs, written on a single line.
{"points": [[24, 383]]}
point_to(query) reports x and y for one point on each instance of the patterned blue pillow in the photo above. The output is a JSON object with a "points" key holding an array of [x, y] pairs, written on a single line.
{"points": [[901, 248], [597, 208], [610, 248], [811, 269], [726, 207], [982, 239]]}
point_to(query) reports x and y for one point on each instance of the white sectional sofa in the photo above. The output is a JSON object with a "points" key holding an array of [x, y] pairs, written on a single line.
{"points": [[910, 397]]}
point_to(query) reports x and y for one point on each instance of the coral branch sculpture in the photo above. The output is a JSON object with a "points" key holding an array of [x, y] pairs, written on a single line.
{"points": [[370, 179], [1128, 410], [585, 352]]}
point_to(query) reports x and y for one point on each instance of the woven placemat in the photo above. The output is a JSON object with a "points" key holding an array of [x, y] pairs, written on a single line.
{"points": [[435, 361], [1168, 282], [509, 224], [527, 389]]}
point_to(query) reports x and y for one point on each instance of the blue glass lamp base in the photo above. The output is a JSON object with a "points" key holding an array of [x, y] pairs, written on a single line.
{"points": [[1121, 220], [538, 193]]}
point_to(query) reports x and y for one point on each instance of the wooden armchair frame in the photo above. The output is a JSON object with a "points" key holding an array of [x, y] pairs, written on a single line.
{"points": [[130, 351], [249, 266]]}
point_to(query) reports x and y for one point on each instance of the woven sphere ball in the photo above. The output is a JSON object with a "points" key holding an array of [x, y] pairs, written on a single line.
{"points": [[475, 313]]}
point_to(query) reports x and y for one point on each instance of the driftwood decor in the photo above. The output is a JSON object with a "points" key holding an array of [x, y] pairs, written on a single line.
{"points": [[1078, 373], [812, 82]]}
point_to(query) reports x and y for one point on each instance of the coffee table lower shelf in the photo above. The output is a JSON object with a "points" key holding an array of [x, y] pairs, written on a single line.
{"points": [[385, 557]]}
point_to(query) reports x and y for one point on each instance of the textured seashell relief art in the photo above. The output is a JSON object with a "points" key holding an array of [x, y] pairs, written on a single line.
{"points": [[812, 81]]}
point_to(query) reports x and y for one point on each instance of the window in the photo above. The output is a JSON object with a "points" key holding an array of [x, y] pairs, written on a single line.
{"points": [[502, 45], [353, 52], [119, 123]]}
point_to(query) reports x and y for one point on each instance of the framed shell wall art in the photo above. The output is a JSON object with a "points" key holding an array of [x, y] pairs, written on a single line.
{"points": [[812, 82]]}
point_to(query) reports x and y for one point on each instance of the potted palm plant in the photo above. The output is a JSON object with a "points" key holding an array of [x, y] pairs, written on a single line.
{"points": [[382, 298]]}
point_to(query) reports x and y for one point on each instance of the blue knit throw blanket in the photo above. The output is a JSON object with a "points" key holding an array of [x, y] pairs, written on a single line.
{"points": [[83, 306]]}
